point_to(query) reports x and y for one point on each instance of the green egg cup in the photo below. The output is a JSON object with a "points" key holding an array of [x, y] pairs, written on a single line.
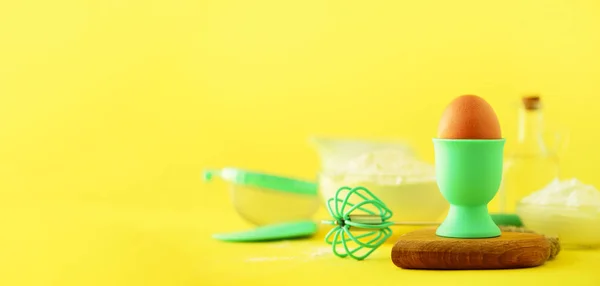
{"points": [[469, 173]]}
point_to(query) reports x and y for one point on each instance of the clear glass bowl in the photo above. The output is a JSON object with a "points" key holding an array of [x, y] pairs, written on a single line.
{"points": [[263, 206], [408, 200], [263, 199]]}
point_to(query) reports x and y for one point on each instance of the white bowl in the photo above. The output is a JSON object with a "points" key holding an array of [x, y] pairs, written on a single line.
{"points": [[575, 227], [408, 200]]}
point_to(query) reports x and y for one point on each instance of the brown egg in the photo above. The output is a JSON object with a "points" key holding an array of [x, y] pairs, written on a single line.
{"points": [[469, 117]]}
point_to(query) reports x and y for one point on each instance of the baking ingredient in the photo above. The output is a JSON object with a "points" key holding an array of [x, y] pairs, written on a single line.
{"points": [[290, 251], [335, 153], [469, 117], [387, 167], [568, 209], [532, 163], [404, 183], [568, 193], [270, 258]]}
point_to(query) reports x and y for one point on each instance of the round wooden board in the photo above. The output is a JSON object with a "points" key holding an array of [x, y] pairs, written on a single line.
{"points": [[423, 249]]}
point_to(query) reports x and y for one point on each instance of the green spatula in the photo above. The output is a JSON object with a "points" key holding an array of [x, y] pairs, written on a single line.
{"points": [[278, 231]]}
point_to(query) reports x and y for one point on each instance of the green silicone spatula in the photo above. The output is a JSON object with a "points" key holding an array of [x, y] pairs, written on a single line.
{"points": [[277, 231]]}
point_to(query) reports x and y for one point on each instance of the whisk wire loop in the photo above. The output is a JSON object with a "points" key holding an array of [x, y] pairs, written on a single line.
{"points": [[344, 242]]}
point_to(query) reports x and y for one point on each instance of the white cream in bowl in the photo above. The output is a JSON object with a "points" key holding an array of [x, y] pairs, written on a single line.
{"points": [[568, 209]]}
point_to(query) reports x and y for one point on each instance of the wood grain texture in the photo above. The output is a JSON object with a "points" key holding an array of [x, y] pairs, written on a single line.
{"points": [[423, 249]]}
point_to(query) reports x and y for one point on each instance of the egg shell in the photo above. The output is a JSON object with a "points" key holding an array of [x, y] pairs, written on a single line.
{"points": [[469, 117]]}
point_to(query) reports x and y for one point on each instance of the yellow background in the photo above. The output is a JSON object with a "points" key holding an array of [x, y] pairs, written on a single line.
{"points": [[109, 110]]}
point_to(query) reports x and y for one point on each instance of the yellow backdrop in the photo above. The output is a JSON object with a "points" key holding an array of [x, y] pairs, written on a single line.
{"points": [[119, 105]]}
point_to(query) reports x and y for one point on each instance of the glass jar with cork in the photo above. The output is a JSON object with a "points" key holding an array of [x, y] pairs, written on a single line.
{"points": [[533, 163]]}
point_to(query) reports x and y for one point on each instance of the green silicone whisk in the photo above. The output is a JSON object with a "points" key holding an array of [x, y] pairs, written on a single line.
{"points": [[358, 208]]}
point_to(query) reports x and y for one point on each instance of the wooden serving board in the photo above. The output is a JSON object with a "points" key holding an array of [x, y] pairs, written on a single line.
{"points": [[423, 249]]}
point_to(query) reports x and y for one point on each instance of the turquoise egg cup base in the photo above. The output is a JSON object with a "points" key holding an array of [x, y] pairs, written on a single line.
{"points": [[469, 173], [468, 222]]}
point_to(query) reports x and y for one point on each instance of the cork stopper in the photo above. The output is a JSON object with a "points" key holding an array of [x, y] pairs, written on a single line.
{"points": [[531, 102]]}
